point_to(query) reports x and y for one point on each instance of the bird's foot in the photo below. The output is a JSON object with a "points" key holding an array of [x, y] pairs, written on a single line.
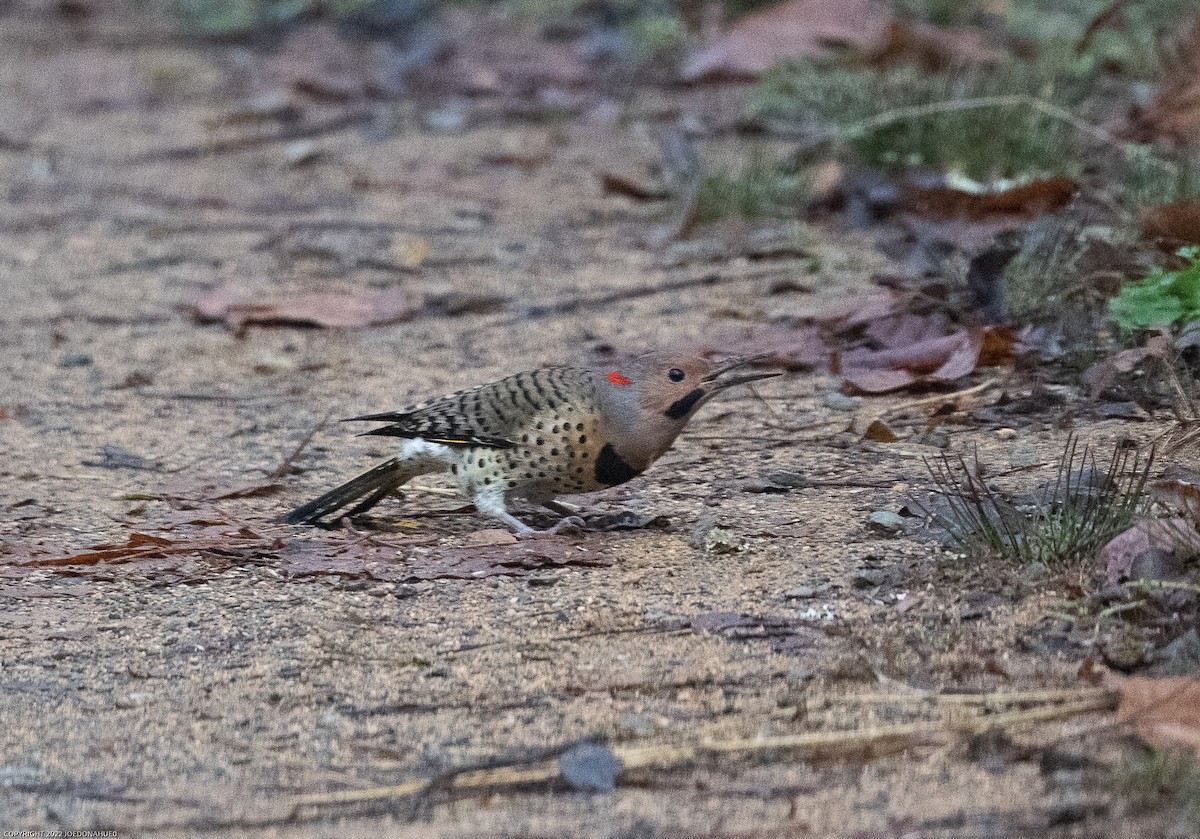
{"points": [[571, 526]]}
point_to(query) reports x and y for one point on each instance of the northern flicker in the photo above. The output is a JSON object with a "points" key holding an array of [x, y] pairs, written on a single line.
{"points": [[539, 434]]}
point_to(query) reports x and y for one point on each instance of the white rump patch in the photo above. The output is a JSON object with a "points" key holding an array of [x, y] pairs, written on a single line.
{"points": [[419, 449]]}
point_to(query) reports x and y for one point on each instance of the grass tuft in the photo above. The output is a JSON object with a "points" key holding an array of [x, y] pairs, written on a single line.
{"points": [[974, 120], [1161, 778], [1071, 519], [760, 187]]}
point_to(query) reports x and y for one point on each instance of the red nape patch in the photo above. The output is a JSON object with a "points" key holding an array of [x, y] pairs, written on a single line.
{"points": [[617, 379]]}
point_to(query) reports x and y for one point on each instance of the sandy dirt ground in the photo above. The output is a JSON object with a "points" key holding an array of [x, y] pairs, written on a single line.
{"points": [[210, 691]]}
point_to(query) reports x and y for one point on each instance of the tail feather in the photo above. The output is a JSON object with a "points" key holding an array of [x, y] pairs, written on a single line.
{"points": [[375, 484]]}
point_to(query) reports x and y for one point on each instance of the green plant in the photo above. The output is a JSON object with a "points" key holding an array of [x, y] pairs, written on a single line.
{"points": [[985, 122], [1161, 299], [761, 187], [1149, 176], [1070, 519], [1159, 777]]}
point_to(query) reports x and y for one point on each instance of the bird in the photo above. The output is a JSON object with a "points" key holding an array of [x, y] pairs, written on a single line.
{"points": [[538, 434]]}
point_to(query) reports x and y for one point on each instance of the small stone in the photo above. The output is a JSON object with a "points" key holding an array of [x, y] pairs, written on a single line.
{"points": [[635, 725], [1006, 433], [133, 700], [301, 152], [841, 402], [800, 593], [77, 360], [885, 521], [451, 118], [869, 578], [799, 675], [590, 768]]}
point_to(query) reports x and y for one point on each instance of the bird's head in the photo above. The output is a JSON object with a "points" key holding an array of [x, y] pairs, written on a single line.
{"points": [[649, 399]]}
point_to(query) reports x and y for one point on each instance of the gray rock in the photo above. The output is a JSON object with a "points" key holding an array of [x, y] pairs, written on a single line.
{"points": [[590, 768], [885, 521], [841, 402]]}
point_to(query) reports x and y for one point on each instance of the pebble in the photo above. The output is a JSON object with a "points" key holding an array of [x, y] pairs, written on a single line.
{"points": [[885, 521], [841, 402]]}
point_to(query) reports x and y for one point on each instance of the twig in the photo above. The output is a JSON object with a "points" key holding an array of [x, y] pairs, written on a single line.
{"points": [[239, 144], [885, 739], [939, 398], [286, 465]]}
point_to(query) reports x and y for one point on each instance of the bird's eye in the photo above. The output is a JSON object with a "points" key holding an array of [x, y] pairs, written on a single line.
{"points": [[676, 375]]}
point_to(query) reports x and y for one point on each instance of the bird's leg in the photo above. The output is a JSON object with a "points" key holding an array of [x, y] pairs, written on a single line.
{"points": [[492, 504]]}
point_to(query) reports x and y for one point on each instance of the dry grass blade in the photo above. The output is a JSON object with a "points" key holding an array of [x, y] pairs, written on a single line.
{"points": [[827, 745]]}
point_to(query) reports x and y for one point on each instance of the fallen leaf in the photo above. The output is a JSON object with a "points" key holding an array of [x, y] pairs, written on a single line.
{"points": [[1029, 201], [490, 536], [1182, 496], [615, 183], [932, 361], [934, 48], [1103, 374], [878, 432], [794, 29], [1169, 534], [1171, 226], [391, 564], [365, 307], [1175, 111], [1163, 712]]}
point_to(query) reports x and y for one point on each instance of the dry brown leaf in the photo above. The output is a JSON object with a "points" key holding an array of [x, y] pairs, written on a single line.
{"points": [[1026, 202], [794, 29], [1180, 495], [932, 47], [365, 307], [1171, 226], [1163, 712], [364, 560], [878, 432], [1175, 112], [1167, 534]]}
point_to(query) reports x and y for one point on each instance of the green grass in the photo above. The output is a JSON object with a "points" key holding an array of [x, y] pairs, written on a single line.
{"points": [[1161, 780], [759, 187], [1075, 515], [966, 121]]}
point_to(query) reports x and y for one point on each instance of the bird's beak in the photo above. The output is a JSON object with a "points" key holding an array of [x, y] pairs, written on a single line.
{"points": [[715, 383]]}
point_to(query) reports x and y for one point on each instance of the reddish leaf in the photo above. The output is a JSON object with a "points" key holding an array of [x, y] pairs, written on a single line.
{"points": [[793, 29], [1180, 495], [1028, 201], [469, 563], [617, 184], [931, 361], [932, 47], [1170, 226], [1162, 712], [1159, 534], [366, 307]]}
